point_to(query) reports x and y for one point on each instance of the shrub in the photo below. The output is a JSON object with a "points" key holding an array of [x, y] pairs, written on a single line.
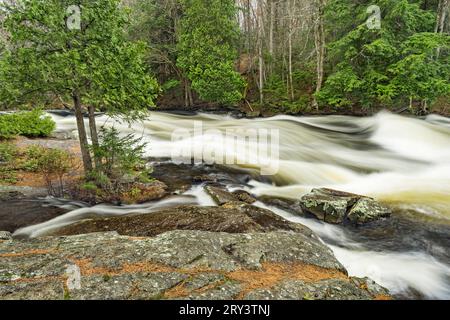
{"points": [[7, 152], [30, 124], [119, 156], [53, 165]]}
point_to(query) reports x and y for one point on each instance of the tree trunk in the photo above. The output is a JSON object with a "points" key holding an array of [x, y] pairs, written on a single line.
{"points": [[319, 36], [260, 52], [94, 135], [442, 13], [84, 145]]}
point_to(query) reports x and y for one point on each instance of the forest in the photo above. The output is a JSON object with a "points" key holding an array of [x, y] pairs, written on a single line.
{"points": [[268, 56], [225, 150]]}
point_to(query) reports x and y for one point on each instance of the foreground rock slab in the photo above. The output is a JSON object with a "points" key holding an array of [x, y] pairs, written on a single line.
{"points": [[177, 265], [336, 207]]}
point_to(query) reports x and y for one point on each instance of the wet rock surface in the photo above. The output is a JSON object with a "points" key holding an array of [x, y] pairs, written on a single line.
{"points": [[177, 265], [18, 213], [336, 207], [221, 196], [232, 218]]}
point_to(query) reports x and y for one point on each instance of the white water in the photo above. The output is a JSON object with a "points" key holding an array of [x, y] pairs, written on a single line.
{"points": [[404, 162]]}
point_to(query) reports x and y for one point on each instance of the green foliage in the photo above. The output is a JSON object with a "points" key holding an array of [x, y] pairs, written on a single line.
{"points": [[279, 99], [8, 152], [29, 124], [389, 66], [52, 164], [95, 62], [119, 157], [206, 49]]}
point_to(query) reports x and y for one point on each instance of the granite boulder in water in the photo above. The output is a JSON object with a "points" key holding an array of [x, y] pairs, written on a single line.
{"points": [[336, 207]]}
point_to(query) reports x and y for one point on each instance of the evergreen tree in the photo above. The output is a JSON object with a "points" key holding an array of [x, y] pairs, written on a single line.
{"points": [[207, 49], [77, 52]]}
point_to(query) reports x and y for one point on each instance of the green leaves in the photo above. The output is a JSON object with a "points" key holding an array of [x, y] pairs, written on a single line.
{"points": [[206, 50], [29, 124], [389, 66], [48, 60]]}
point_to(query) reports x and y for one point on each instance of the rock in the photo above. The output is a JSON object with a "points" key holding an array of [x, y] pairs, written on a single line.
{"points": [[11, 195], [330, 289], [231, 218], [222, 196], [5, 235], [63, 135], [175, 265], [204, 178], [367, 210], [219, 195], [335, 207], [289, 205], [244, 196]]}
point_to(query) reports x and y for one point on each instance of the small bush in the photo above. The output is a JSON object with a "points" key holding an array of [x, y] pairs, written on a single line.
{"points": [[7, 152], [30, 124], [53, 164], [119, 156]]}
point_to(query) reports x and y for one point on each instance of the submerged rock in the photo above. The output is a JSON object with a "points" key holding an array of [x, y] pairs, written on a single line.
{"points": [[335, 207], [175, 265]]}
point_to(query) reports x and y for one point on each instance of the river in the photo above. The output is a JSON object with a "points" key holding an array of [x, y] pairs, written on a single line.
{"points": [[403, 162]]}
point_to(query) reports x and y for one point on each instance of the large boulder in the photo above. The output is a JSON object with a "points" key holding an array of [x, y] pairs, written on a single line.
{"points": [[176, 265], [335, 207]]}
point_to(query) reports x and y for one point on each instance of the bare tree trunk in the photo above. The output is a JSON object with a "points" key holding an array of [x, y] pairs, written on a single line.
{"points": [[291, 7], [271, 33], [260, 52], [94, 134], [84, 145], [442, 13], [319, 36]]}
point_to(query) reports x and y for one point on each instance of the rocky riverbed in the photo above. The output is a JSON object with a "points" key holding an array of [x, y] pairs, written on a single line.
{"points": [[178, 265], [230, 251]]}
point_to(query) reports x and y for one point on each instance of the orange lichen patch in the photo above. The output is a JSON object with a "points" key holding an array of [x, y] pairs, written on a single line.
{"points": [[273, 273], [29, 179], [137, 238], [86, 268], [26, 253], [382, 297], [178, 291]]}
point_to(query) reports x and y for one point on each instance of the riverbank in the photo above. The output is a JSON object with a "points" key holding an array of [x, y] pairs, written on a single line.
{"points": [[369, 156]]}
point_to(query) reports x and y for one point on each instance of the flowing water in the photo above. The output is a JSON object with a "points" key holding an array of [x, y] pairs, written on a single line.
{"points": [[403, 162]]}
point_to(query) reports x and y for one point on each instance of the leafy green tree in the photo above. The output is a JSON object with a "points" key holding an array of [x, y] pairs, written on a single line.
{"points": [[387, 66], [78, 52], [206, 49]]}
